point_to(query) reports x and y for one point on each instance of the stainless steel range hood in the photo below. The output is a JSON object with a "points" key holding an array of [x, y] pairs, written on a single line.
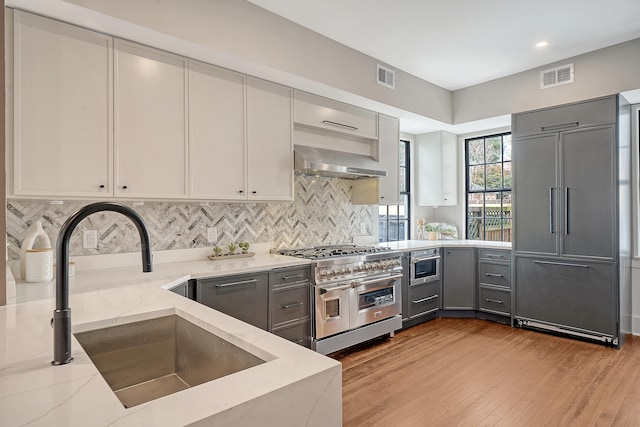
{"points": [[323, 162]]}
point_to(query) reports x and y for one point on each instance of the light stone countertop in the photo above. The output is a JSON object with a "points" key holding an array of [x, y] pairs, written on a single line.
{"points": [[410, 245], [296, 386]]}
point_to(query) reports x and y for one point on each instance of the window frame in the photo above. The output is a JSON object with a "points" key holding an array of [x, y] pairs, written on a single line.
{"points": [[501, 190]]}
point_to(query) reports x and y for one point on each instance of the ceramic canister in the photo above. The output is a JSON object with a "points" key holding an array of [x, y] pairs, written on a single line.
{"points": [[38, 265]]}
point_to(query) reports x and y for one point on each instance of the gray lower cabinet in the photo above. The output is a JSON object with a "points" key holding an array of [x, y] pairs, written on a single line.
{"points": [[244, 297], [423, 299], [458, 284], [290, 297], [574, 294], [494, 282]]}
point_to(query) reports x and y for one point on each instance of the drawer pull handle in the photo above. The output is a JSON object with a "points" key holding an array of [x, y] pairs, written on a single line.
{"points": [[292, 304], [425, 299], [564, 264], [291, 277], [329, 122], [493, 256], [497, 301], [243, 282], [493, 275], [560, 126]]}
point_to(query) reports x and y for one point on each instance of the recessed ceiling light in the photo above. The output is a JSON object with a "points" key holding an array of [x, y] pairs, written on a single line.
{"points": [[542, 44]]}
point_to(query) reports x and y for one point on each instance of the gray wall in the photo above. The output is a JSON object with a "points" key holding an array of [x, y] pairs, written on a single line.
{"points": [[603, 72]]}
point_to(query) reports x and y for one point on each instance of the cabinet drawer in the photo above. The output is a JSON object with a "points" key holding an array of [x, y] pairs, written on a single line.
{"points": [[289, 304], [288, 276], [423, 298], [494, 274], [495, 301], [298, 333], [243, 297], [588, 113], [494, 255], [323, 113]]}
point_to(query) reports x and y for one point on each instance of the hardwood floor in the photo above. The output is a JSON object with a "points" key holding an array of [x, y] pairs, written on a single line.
{"points": [[473, 372]]}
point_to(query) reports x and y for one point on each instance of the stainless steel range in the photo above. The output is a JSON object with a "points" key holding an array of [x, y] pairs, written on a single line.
{"points": [[356, 294]]}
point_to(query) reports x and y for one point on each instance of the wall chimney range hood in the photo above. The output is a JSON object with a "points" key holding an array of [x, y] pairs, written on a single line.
{"points": [[340, 164]]}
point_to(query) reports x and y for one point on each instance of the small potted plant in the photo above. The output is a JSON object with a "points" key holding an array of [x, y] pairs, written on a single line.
{"points": [[432, 232], [232, 248], [217, 251], [244, 246]]}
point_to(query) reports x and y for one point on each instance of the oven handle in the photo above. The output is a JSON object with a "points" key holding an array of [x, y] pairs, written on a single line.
{"points": [[336, 288], [376, 280], [417, 260]]}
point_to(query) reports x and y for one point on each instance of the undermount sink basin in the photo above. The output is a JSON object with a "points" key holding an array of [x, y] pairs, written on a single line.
{"points": [[142, 361]]}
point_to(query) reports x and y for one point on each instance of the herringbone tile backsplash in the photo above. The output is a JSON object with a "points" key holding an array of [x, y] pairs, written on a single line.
{"points": [[321, 213]]}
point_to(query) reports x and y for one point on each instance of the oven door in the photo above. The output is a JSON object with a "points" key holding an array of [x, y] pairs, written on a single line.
{"points": [[425, 268], [332, 309], [375, 299]]}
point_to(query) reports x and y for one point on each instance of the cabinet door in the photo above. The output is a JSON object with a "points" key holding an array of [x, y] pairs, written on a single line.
{"points": [[63, 138], [243, 297], [458, 280], [389, 158], [437, 169], [216, 133], [575, 294], [535, 195], [449, 169], [269, 141], [589, 187], [150, 123], [318, 112]]}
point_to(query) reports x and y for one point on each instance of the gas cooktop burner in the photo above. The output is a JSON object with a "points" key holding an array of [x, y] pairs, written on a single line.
{"points": [[319, 252]]}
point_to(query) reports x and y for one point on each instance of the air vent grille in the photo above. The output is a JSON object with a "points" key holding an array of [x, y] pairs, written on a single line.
{"points": [[386, 77], [556, 76]]}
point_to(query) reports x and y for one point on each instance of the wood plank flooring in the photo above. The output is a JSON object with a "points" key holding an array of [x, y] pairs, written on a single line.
{"points": [[471, 372]]}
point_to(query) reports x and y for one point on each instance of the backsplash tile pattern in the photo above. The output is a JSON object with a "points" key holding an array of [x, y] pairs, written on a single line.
{"points": [[321, 213]]}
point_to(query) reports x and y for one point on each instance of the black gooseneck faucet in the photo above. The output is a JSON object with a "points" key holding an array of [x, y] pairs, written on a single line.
{"points": [[61, 321]]}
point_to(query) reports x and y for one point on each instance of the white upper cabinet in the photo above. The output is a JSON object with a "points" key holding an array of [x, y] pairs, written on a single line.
{"points": [[216, 133], [150, 123], [389, 144], [318, 112], [62, 144], [269, 141], [437, 169]]}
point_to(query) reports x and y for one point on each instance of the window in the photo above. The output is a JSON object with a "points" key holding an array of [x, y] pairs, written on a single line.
{"points": [[393, 220], [488, 164]]}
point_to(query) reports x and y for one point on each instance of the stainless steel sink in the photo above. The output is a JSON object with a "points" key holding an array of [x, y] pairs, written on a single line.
{"points": [[142, 361]]}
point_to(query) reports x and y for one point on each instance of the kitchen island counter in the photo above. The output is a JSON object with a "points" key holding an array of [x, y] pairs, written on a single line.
{"points": [[295, 386]]}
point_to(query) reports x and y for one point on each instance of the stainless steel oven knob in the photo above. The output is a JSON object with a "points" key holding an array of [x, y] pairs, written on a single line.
{"points": [[323, 274]]}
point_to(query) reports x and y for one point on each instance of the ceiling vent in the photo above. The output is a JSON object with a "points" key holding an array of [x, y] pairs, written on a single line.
{"points": [[386, 77], [556, 76]]}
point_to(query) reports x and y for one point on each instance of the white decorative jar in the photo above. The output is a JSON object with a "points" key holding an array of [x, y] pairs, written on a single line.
{"points": [[38, 265]]}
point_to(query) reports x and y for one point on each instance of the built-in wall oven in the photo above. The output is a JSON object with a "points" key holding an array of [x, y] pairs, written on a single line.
{"points": [[425, 266]]}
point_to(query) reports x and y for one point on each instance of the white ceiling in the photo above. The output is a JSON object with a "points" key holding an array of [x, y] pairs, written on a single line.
{"points": [[459, 43]]}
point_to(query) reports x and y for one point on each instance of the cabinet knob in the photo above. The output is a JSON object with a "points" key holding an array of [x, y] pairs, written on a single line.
{"points": [[124, 187], [240, 191], [253, 192], [101, 185]]}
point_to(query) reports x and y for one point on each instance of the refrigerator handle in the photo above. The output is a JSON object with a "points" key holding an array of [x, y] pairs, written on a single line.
{"points": [[566, 210], [551, 227]]}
